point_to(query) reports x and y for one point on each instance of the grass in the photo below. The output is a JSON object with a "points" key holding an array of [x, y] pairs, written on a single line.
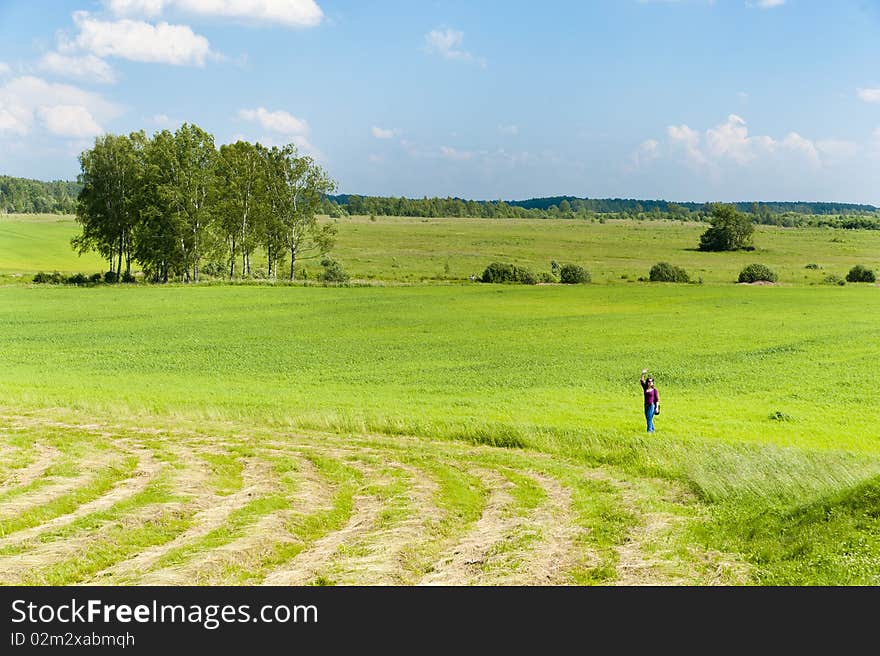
{"points": [[769, 424], [555, 368], [414, 250], [34, 242]]}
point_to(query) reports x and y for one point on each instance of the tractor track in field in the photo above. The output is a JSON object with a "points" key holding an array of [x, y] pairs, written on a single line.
{"points": [[300, 509]]}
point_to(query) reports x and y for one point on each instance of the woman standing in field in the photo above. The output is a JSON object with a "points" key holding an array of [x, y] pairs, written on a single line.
{"points": [[652, 399]]}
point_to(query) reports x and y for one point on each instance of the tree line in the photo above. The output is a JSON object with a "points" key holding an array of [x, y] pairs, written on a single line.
{"points": [[25, 196], [21, 195], [174, 201], [842, 215]]}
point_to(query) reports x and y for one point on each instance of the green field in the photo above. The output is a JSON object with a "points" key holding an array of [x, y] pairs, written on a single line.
{"points": [[447, 433], [414, 250]]}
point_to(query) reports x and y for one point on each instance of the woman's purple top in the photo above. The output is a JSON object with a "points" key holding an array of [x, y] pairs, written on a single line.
{"points": [[651, 395]]}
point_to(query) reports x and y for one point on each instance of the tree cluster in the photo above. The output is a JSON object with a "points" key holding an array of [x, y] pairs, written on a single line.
{"points": [[731, 230], [24, 196], [174, 201]]}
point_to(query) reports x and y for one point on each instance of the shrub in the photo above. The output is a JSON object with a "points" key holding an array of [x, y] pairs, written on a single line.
{"points": [[501, 272], [756, 273], [110, 276], [834, 279], [214, 269], [43, 278], [128, 278], [333, 271], [77, 279], [860, 274], [546, 276], [812, 266], [731, 230], [95, 278], [666, 272], [572, 274]]}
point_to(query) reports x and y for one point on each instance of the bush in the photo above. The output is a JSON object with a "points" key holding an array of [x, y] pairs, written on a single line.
{"points": [[501, 272], [95, 278], [333, 271], [860, 274], [214, 269], [43, 278], [731, 230], [756, 273], [572, 274], [834, 279], [546, 276], [666, 272], [812, 266], [128, 278], [110, 277], [77, 279]]}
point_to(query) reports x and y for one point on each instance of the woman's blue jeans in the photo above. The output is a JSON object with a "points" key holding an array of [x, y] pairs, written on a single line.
{"points": [[649, 415]]}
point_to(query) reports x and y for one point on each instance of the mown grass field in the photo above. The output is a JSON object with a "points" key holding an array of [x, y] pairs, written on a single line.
{"points": [[446, 433]]}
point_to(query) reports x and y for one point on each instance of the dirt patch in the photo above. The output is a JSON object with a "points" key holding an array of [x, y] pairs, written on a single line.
{"points": [[34, 470]]}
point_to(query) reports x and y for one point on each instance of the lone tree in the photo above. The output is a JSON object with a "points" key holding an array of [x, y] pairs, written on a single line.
{"points": [[731, 229]]}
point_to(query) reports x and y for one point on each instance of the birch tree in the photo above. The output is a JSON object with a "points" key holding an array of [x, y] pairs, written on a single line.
{"points": [[241, 185], [296, 186], [107, 207], [189, 162]]}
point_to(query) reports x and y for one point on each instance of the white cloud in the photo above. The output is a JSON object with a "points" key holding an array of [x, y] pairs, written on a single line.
{"points": [[283, 124], [72, 121], [510, 130], [376, 159], [648, 151], [455, 155], [5, 68], [88, 68], [14, 121], [279, 121], [682, 135], [139, 41], [448, 44], [730, 142], [383, 133], [795, 142], [731, 139], [136, 7], [765, 4], [869, 95], [290, 13], [63, 110], [304, 145]]}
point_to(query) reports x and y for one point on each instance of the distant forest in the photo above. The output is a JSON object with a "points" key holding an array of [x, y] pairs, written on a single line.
{"points": [[788, 214], [37, 197], [25, 196]]}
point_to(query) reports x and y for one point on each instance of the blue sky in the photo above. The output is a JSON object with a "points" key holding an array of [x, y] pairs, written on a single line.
{"points": [[681, 100]]}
